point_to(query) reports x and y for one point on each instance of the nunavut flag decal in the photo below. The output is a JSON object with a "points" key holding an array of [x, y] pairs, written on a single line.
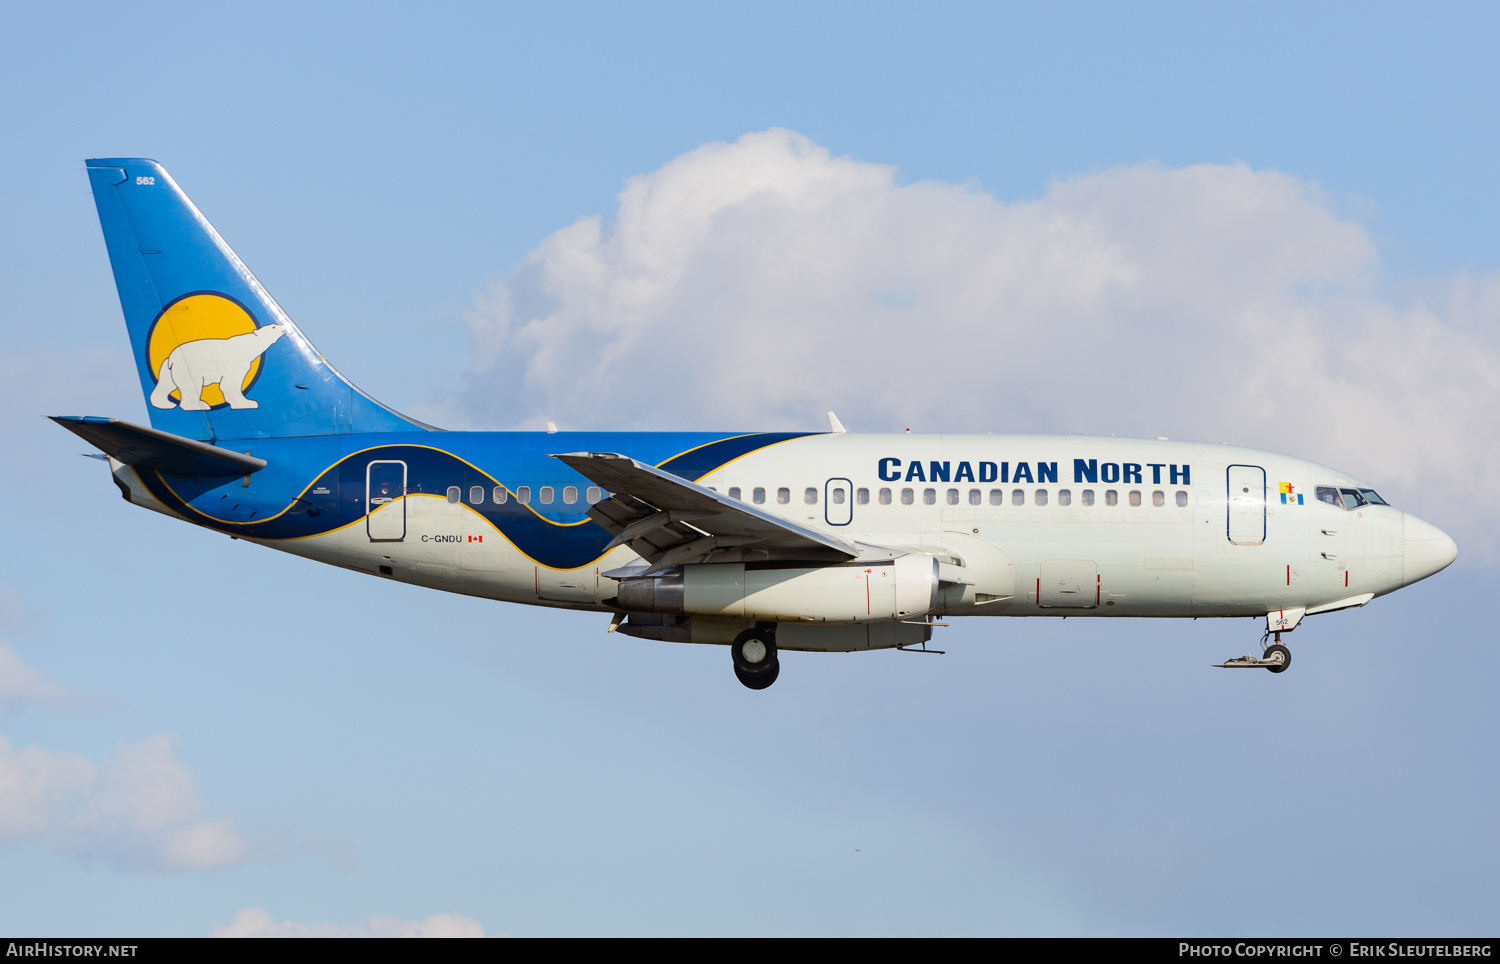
{"points": [[1290, 494]]}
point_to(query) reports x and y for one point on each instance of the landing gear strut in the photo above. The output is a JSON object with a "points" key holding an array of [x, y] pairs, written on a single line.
{"points": [[755, 661], [1276, 658]]}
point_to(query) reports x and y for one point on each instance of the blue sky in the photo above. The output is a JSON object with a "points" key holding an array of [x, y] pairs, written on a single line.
{"points": [[405, 182]]}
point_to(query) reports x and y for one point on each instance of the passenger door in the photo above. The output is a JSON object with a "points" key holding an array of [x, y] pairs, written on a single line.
{"points": [[385, 501], [1247, 505]]}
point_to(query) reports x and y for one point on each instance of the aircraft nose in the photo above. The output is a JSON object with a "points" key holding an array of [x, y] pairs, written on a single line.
{"points": [[1428, 550]]}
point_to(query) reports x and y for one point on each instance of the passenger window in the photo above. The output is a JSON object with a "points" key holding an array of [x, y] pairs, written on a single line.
{"points": [[838, 496], [906, 496], [570, 494], [953, 497], [1111, 497], [885, 496], [1135, 496], [929, 496], [523, 495], [810, 496], [500, 495], [1018, 497], [758, 496], [734, 492], [1064, 496], [546, 495], [453, 494], [1158, 498], [1088, 496], [592, 494], [862, 496], [1181, 497], [997, 497], [974, 496], [476, 494], [783, 495], [1041, 496]]}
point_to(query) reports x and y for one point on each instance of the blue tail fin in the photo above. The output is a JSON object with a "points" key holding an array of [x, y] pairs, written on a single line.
{"points": [[217, 357]]}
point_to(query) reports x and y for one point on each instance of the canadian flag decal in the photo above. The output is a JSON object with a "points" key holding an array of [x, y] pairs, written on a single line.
{"points": [[476, 538]]}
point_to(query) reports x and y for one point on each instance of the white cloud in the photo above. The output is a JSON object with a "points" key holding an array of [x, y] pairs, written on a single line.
{"points": [[754, 285], [254, 922], [139, 809], [20, 684]]}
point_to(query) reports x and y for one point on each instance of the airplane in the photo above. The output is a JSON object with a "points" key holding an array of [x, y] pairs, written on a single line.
{"points": [[824, 541]]}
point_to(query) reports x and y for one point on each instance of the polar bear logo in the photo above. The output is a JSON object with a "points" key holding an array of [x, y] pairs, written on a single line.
{"points": [[224, 362]]}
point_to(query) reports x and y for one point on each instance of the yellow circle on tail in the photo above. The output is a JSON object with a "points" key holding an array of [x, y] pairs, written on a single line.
{"points": [[191, 319]]}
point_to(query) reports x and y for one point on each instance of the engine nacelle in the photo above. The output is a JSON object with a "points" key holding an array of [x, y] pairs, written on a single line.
{"points": [[902, 588]]}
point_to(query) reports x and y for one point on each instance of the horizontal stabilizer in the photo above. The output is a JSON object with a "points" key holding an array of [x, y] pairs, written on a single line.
{"points": [[150, 448]]}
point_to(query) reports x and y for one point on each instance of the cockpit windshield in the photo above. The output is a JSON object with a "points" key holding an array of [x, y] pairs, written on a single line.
{"points": [[1349, 498]]}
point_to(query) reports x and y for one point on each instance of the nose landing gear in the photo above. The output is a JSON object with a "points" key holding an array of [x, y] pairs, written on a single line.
{"points": [[1276, 658], [755, 662]]}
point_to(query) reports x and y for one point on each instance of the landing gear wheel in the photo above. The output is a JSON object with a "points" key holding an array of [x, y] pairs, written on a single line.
{"points": [[755, 662], [760, 681], [1278, 651]]}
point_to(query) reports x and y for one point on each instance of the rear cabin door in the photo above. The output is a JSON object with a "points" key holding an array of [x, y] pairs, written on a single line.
{"points": [[838, 502], [1247, 505], [385, 501]]}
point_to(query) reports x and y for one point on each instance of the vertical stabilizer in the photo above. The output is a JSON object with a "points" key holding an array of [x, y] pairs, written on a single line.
{"points": [[217, 357]]}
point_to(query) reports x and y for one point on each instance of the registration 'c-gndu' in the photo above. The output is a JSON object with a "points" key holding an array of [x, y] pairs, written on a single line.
{"points": [[828, 541]]}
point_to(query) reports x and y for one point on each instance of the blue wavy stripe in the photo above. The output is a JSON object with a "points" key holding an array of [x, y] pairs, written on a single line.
{"points": [[430, 471], [694, 464]]}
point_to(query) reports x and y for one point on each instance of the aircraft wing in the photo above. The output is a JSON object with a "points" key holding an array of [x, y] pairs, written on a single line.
{"points": [[670, 521]]}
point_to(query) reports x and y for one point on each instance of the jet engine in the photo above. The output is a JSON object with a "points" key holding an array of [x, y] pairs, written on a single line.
{"points": [[905, 587]]}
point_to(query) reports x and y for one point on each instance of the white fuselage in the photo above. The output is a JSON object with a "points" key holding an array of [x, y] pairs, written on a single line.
{"points": [[1040, 525]]}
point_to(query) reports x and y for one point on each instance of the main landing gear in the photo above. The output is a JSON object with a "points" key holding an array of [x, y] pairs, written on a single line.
{"points": [[1276, 658], [755, 661]]}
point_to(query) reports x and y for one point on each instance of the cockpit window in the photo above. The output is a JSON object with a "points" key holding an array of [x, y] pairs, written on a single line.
{"points": [[1349, 498]]}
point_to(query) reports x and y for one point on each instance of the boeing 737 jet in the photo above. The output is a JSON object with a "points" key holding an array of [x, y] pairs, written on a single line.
{"points": [[827, 541]]}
